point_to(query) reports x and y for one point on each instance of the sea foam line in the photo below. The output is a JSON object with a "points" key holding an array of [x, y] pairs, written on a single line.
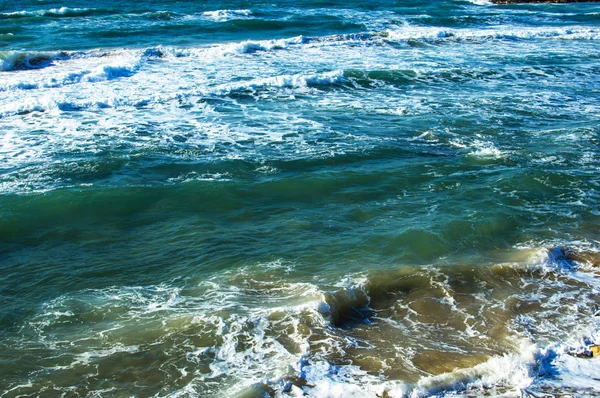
{"points": [[56, 12], [502, 33], [296, 81], [224, 15]]}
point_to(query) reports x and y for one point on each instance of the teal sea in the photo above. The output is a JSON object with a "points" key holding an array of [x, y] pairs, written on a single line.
{"points": [[314, 198]]}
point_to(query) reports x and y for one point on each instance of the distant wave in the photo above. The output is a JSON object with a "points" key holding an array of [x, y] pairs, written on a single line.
{"points": [[481, 2], [502, 33], [161, 15], [54, 12], [132, 60], [15, 60], [225, 15]]}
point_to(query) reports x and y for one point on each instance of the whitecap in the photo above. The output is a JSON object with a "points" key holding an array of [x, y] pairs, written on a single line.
{"points": [[503, 33], [21, 60], [62, 11], [225, 15]]}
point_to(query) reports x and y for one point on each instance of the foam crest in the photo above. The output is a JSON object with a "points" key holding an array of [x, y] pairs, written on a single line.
{"points": [[19, 60], [508, 374], [481, 2], [250, 47], [98, 74], [347, 305], [50, 103], [53, 12], [167, 52], [554, 260], [578, 373], [89, 356], [161, 15], [323, 379], [226, 15], [109, 72], [500, 33], [511, 374], [485, 150], [296, 81]]}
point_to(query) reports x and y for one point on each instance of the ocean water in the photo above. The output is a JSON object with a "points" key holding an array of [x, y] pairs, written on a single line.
{"points": [[312, 198]]}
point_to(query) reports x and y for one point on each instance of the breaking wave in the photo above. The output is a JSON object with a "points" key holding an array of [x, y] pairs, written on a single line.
{"points": [[226, 15], [19, 60], [416, 331], [62, 12], [499, 33]]}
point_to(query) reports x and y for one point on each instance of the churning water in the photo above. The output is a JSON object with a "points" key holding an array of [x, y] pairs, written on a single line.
{"points": [[318, 198]]}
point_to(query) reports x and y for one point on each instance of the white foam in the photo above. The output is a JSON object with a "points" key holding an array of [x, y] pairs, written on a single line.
{"points": [[297, 81], [514, 371], [580, 374], [437, 33], [67, 10], [108, 72], [326, 380], [194, 176], [249, 47], [226, 15], [478, 149], [566, 369], [91, 68], [485, 150], [50, 12], [83, 69], [89, 356], [551, 261]]}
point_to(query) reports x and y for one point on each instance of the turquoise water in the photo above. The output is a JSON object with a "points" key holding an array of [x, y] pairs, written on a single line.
{"points": [[315, 197]]}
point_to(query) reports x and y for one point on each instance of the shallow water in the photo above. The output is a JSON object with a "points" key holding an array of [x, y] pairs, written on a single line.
{"points": [[319, 197]]}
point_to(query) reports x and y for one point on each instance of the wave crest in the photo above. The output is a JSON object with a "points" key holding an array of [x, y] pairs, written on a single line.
{"points": [[53, 12]]}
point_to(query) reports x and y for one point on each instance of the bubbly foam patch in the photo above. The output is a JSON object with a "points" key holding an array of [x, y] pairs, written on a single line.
{"points": [[225, 15], [481, 2], [62, 11], [485, 150], [501, 33]]}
